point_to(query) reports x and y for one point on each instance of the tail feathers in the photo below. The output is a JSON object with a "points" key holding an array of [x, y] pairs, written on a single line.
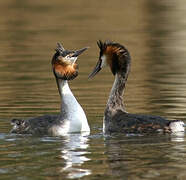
{"points": [[177, 126]]}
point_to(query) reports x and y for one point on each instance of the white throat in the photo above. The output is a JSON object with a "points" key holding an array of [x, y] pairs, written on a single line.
{"points": [[70, 59]]}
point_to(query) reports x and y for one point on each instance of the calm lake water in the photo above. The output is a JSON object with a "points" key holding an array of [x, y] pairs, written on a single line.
{"points": [[155, 34]]}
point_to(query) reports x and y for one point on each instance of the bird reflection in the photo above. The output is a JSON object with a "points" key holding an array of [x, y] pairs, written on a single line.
{"points": [[178, 137], [74, 153], [130, 156]]}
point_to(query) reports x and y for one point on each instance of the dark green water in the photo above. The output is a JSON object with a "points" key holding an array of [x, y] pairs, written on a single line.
{"points": [[153, 31]]}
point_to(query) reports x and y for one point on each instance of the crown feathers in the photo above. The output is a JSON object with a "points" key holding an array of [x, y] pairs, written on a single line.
{"points": [[117, 55], [60, 48]]}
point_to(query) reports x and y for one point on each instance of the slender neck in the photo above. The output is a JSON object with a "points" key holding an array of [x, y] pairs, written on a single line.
{"points": [[115, 100], [68, 101], [63, 87]]}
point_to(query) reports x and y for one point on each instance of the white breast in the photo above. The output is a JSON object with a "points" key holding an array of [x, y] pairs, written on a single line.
{"points": [[75, 118]]}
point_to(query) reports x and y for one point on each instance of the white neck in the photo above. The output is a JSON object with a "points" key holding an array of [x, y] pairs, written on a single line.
{"points": [[71, 111], [68, 101]]}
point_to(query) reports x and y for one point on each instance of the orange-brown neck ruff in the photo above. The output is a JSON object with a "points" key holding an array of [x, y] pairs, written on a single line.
{"points": [[113, 54], [111, 51], [65, 71]]}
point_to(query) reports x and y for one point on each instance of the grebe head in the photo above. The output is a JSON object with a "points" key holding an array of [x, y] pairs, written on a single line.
{"points": [[63, 62], [113, 54]]}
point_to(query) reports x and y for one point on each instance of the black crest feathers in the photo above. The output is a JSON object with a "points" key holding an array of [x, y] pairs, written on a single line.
{"points": [[60, 48]]}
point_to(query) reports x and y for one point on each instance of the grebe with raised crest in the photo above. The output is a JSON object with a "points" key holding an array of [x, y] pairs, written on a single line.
{"points": [[72, 117], [116, 118]]}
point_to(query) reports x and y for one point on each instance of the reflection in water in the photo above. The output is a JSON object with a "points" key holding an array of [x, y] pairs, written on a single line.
{"points": [[178, 137], [153, 31], [146, 157], [29, 157], [74, 153]]}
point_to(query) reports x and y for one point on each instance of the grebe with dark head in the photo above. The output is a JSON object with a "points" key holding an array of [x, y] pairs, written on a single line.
{"points": [[116, 118], [72, 117]]}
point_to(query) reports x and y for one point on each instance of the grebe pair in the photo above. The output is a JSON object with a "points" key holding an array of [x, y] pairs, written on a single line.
{"points": [[116, 118], [72, 117]]}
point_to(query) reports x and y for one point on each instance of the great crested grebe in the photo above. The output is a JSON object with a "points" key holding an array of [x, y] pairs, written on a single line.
{"points": [[116, 118], [72, 117]]}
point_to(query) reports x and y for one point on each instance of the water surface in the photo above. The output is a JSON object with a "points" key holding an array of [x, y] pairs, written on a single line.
{"points": [[153, 31]]}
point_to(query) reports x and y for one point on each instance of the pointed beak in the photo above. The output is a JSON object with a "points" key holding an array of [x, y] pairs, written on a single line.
{"points": [[78, 52], [95, 70]]}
